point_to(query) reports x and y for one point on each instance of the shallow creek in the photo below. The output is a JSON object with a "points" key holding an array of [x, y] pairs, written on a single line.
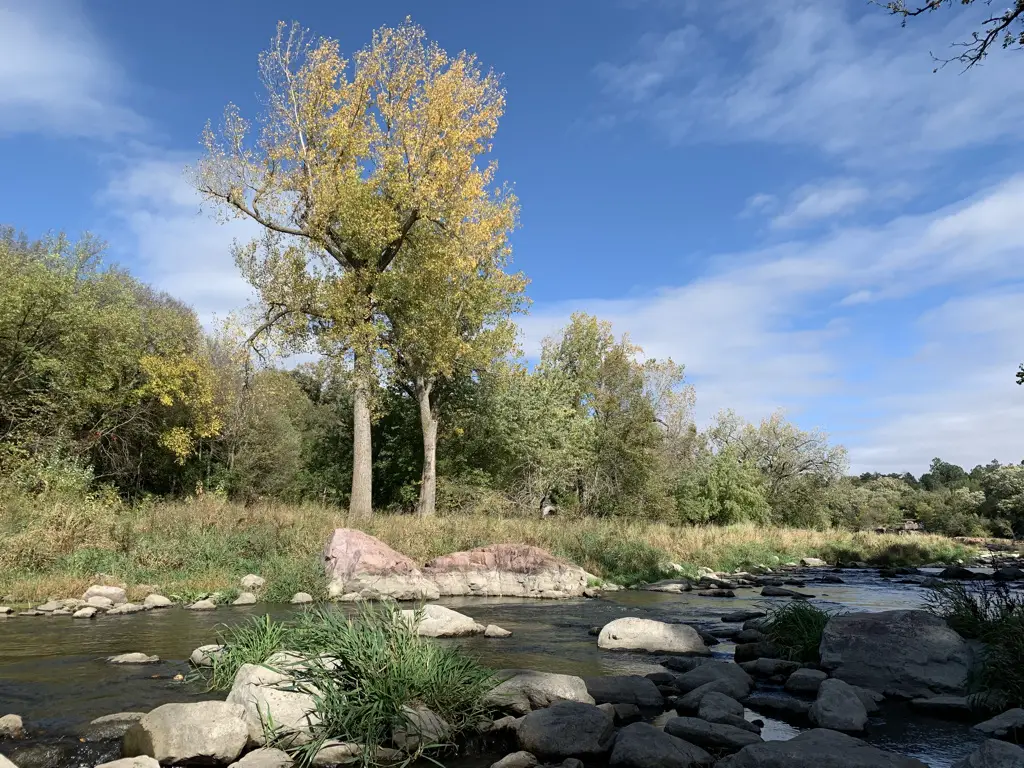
{"points": [[53, 671]]}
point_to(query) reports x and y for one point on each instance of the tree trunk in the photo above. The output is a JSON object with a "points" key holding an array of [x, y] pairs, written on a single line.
{"points": [[361, 499], [428, 423]]}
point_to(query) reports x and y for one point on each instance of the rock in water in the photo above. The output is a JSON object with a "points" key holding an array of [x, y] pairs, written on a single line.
{"points": [[359, 564], [204, 732], [204, 655], [812, 562], [110, 727], [115, 595], [770, 591], [714, 736], [805, 682], [203, 605], [438, 621], [567, 729], [143, 761], [301, 598], [911, 654], [994, 754], [818, 748], [133, 658], [633, 634], [157, 601], [713, 671], [11, 727], [645, 746], [267, 758], [1008, 725], [270, 701], [838, 707], [493, 630], [626, 689], [245, 598], [516, 760], [88, 612], [523, 690], [506, 570]]}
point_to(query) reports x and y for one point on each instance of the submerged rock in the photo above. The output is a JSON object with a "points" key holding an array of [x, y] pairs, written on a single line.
{"points": [[204, 732], [738, 617], [945, 706], [633, 634], [506, 570], [493, 630], [111, 726], [770, 591]]}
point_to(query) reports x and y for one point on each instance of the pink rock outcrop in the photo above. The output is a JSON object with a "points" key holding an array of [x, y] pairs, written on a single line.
{"points": [[506, 570], [361, 566]]}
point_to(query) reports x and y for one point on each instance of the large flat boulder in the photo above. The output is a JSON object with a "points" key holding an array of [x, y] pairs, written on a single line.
{"points": [[818, 748], [567, 729], [506, 570], [523, 690], [644, 746], [909, 654], [201, 733], [359, 564], [634, 634]]}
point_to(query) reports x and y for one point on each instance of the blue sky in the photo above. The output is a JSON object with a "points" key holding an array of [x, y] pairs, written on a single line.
{"points": [[787, 200]]}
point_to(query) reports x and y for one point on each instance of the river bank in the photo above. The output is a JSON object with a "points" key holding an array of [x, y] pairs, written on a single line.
{"points": [[188, 548]]}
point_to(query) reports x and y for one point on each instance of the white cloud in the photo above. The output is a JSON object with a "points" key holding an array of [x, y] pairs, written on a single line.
{"points": [[774, 328], [176, 246], [842, 78], [813, 202], [55, 77]]}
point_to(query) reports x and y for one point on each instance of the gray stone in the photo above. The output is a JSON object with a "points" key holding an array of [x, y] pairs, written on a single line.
{"points": [[1008, 573], [245, 598], [111, 727], [731, 687], [818, 748], [493, 630], [516, 760], [420, 729], [11, 727], [672, 586], [838, 707], [813, 562], [157, 601], [993, 754], [770, 591], [805, 682], [207, 731], [143, 761], [523, 690], [633, 634], [738, 617], [715, 670], [204, 655], [625, 689], [1008, 725], [944, 706], [50, 606], [6, 610], [685, 663], [100, 602], [713, 736], [265, 758], [907, 653], [645, 746], [115, 595], [624, 714], [765, 667], [567, 729], [203, 605], [716, 593], [84, 613], [719, 708], [301, 598], [785, 707], [252, 582], [133, 658], [271, 700], [126, 608], [438, 621], [869, 698], [753, 651]]}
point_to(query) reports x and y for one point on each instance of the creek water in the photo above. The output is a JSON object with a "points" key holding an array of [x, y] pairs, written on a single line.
{"points": [[53, 670]]}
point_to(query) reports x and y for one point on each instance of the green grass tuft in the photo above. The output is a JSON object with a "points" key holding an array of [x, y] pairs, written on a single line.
{"points": [[796, 629]]}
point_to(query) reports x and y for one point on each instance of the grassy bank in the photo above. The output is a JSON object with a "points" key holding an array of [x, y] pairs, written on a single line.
{"points": [[55, 549]]}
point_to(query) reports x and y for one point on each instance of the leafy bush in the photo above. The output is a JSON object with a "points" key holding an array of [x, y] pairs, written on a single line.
{"points": [[796, 628]]}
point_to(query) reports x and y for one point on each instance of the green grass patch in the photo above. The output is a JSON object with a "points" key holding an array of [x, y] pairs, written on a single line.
{"points": [[796, 629]]}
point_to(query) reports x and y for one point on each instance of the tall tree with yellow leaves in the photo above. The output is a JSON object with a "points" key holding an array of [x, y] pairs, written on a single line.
{"points": [[350, 162]]}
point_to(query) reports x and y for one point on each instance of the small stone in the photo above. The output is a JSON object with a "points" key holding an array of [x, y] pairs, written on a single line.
{"points": [[493, 630], [203, 605], [100, 602], [157, 601], [84, 613], [301, 598], [245, 598], [204, 655], [516, 760], [133, 658], [252, 582], [11, 727]]}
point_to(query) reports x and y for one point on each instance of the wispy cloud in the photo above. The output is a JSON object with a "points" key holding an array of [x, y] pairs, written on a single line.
{"points": [[55, 76], [813, 202]]}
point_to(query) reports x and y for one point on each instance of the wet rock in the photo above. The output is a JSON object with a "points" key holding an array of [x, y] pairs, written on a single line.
{"points": [[245, 598], [783, 592], [438, 621], [116, 595], [730, 687], [493, 630], [958, 572], [251, 582], [645, 746], [685, 663], [125, 608], [110, 727], [204, 655], [838, 707], [41, 756], [672, 586], [993, 754], [758, 623], [745, 636], [301, 598], [714, 671], [204, 732], [815, 749], [11, 727], [765, 667], [143, 761], [813, 562], [869, 698], [6, 610], [753, 651], [203, 605], [1008, 573], [737, 617], [516, 760], [270, 700], [719, 708], [633, 634], [523, 690], [624, 714], [805, 682], [85, 613], [829, 579], [420, 728], [157, 601], [133, 658], [567, 729], [908, 653], [50, 606], [265, 758], [625, 689], [717, 593], [713, 736], [945, 706], [785, 707], [1009, 725], [506, 570], [357, 563]]}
